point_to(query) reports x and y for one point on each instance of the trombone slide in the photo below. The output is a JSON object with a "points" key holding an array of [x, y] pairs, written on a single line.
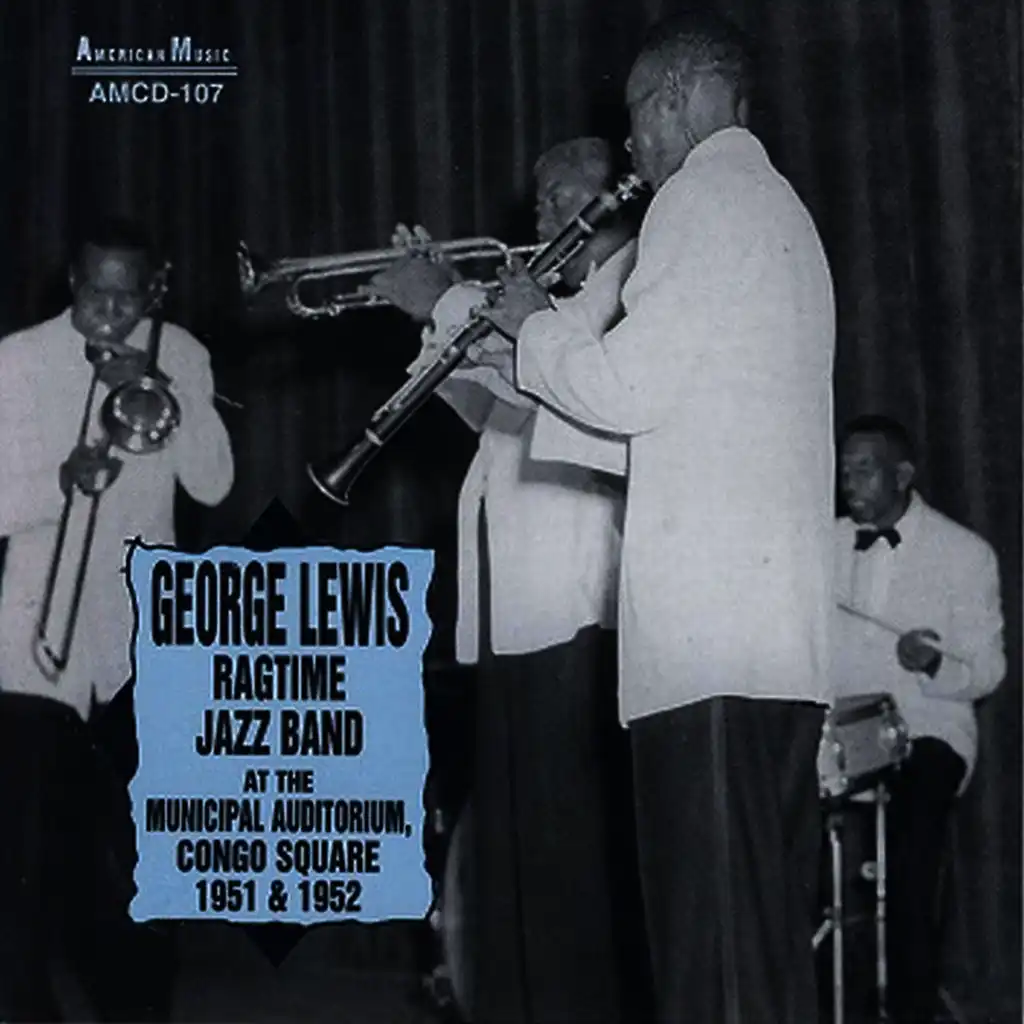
{"points": [[53, 661]]}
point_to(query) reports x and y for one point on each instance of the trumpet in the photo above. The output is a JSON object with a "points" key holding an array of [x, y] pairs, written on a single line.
{"points": [[138, 416], [356, 268], [334, 476]]}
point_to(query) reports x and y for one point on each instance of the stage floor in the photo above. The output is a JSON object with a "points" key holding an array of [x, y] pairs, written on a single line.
{"points": [[366, 975], [363, 974]]}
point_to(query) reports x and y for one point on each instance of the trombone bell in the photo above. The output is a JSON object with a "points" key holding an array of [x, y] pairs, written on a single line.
{"points": [[351, 270]]}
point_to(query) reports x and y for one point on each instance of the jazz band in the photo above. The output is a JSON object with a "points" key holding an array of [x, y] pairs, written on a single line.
{"points": [[134, 409]]}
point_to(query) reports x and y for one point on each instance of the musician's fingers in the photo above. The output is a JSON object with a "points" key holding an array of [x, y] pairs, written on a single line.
{"points": [[421, 235], [514, 276], [494, 344], [374, 287], [402, 238]]}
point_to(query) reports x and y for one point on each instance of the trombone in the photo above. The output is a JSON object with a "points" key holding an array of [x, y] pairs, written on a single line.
{"points": [[356, 268], [138, 416]]}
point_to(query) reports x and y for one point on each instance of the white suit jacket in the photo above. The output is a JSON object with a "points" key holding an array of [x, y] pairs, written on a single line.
{"points": [[553, 525], [44, 379], [940, 576], [720, 376]]}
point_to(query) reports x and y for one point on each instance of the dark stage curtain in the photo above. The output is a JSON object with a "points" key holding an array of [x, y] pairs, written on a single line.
{"points": [[897, 121]]}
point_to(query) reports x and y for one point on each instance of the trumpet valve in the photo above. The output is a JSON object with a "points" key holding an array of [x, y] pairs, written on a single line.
{"points": [[333, 306]]}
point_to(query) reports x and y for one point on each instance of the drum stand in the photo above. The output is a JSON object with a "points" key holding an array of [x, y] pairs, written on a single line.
{"points": [[835, 921]]}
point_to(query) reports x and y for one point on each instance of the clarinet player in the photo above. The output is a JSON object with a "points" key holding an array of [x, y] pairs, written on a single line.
{"points": [[719, 376]]}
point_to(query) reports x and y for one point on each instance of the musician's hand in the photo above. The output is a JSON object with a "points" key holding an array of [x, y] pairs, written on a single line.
{"points": [[915, 654], [518, 298], [493, 350], [123, 367], [413, 283], [88, 470], [416, 237]]}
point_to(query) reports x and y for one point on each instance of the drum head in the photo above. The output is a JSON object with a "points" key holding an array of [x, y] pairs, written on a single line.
{"points": [[456, 906]]}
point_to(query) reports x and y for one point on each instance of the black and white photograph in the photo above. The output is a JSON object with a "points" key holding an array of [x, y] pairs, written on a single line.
{"points": [[510, 512]]}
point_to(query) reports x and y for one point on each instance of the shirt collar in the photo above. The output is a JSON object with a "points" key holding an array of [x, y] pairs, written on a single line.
{"points": [[907, 523], [727, 140], [63, 321], [63, 324]]}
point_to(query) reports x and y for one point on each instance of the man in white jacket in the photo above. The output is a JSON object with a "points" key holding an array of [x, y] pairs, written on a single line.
{"points": [[539, 539], [919, 617], [67, 746], [720, 378]]}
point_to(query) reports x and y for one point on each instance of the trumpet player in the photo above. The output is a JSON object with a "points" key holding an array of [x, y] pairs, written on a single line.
{"points": [[67, 745], [556, 907]]}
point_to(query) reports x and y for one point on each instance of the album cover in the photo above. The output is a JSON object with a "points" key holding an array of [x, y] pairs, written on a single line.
{"points": [[449, 450]]}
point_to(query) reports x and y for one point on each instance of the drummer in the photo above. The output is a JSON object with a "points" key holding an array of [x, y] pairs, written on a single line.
{"points": [[925, 625]]}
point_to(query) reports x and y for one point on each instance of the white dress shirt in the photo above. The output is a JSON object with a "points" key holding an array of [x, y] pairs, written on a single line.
{"points": [[553, 527], [720, 376], [941, 577], [44, 380]]}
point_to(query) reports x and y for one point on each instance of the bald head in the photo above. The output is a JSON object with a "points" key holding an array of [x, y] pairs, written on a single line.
{"points": [[691, 79], [685, 47]]}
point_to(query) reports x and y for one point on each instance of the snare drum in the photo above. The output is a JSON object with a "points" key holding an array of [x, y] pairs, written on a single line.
{"points": [[863, 737]]}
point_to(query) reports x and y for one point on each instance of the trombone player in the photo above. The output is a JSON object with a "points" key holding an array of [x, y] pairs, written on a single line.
{"points": [[67, 743], [538, 535]]}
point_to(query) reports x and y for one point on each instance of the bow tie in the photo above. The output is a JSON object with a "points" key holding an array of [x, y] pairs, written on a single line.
{"points": [[865, 538]]}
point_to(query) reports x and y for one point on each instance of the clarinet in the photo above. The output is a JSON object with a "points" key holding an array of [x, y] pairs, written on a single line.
{"points": [[335, 475]]}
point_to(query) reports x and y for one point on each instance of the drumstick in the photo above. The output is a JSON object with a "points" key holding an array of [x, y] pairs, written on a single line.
{"points": [[889, 628]]}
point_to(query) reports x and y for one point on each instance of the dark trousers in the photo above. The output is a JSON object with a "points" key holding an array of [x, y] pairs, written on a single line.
{"points": [[68, 946], [558, 916], [449, 703], [922, 796], [729, 836], [556, 922]]}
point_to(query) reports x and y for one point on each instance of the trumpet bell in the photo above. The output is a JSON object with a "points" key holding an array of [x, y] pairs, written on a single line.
{"points": [[246, 271], [254, 272], [140, 416]]}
